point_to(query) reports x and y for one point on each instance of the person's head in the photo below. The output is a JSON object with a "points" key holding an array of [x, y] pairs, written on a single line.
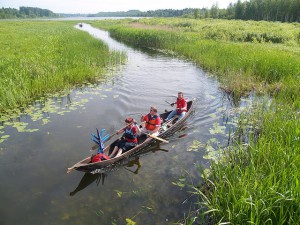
{"points": [[153, 110], [129, 121], [180, 95]]}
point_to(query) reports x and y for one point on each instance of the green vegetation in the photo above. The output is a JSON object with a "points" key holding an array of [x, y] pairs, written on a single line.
{"points": [[40, 57], [25, 12], [254, 181], [269, 10], [263, 56]]}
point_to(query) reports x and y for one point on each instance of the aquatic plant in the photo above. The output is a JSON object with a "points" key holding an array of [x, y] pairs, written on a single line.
{"points": [[41, 57]]}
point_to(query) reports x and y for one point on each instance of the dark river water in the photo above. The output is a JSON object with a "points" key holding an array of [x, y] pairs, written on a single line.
{"points": [[151, 189]]}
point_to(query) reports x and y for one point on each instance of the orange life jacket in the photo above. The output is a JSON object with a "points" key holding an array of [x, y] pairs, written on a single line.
{"points": [[151, 122]]}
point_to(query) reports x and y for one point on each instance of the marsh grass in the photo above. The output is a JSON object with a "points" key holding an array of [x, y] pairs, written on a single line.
{"points": [[256, 179], [259, 182], [223, 48], [40, 57]]}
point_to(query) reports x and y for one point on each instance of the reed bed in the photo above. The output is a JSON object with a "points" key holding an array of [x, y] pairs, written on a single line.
{"points": [[253, 182], [41, 57], [266, 63]]}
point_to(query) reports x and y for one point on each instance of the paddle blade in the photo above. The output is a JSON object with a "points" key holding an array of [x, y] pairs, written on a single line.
{"points": [[98, 132], [102, 132], [95, 141], [105, 138], [94, 136]]}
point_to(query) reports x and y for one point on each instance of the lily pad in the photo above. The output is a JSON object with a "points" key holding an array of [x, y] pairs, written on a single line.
{"points": [[195, 146], [217, 129]]}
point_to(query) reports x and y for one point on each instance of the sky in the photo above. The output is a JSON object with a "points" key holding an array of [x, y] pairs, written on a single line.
{"points": [[95, 6]]}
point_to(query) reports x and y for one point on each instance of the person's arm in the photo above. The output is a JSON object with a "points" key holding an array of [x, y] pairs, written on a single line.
{"points": [[183, 106], [138, 131], [120, 131]]}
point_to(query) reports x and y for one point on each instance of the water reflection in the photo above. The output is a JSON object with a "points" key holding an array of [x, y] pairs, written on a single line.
{"points": [[88, 179]]}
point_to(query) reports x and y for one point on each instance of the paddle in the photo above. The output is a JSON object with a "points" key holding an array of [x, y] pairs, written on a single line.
{"points": [[96, 146], [171, 104], [157, 138]]}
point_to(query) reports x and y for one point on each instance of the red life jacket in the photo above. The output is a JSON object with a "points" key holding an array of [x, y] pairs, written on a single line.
{"points": [[181, 104], [130, 134], [99, 157]]}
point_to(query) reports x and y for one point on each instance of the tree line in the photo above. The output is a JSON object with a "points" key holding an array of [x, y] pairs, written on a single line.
{"points": [[150, 13], [269, 10], [25, 12]]}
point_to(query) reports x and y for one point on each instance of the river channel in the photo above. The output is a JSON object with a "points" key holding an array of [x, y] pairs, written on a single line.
{"points": [[151, 189]]}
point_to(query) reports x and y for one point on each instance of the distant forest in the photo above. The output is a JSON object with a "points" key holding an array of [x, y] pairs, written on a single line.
{"points": [[269, 10], [25, 12]]}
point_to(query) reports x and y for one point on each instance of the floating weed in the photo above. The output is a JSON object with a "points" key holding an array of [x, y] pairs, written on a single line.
{"points": [[30, 130], [195, 146], [212, 155], [119, 193], [217, 129], [180, 182], [148, 208], [20, 125], [3, 118], [99, 212], [130, 222], [45, 121], [206, 172], [210, 148], [213, 115], [4, 138], [210, 96], [115, 96], [213, 140], [103, 96], [65, 216]]}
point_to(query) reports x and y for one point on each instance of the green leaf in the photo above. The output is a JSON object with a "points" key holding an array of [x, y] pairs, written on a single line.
{"points": [[130, 222]]}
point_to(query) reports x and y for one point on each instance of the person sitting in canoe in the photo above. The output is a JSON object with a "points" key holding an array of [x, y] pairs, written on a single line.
{"points": [[181, 107], [128, 140], [152, 122]]}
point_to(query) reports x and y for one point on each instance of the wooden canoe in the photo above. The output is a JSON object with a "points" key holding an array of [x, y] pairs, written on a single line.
{"points": [[167, 129]]}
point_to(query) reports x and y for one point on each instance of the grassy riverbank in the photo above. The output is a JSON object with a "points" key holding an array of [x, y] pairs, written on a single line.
{"points": [[245, 55], [257, 181], [41, 57]]}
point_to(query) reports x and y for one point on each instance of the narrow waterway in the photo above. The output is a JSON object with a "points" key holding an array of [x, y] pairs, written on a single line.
{"points": [[35, 188]]}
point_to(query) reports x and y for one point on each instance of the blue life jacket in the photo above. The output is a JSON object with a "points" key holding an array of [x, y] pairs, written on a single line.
{"points": [[129, 135]]}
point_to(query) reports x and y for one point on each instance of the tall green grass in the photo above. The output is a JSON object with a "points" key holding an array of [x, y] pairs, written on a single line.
{"points": [[40, 57], [255, 182], [265, 66], [258, 183]]}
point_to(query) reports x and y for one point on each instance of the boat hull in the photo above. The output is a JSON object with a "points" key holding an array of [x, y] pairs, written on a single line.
{"points": [[85, 165]]}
